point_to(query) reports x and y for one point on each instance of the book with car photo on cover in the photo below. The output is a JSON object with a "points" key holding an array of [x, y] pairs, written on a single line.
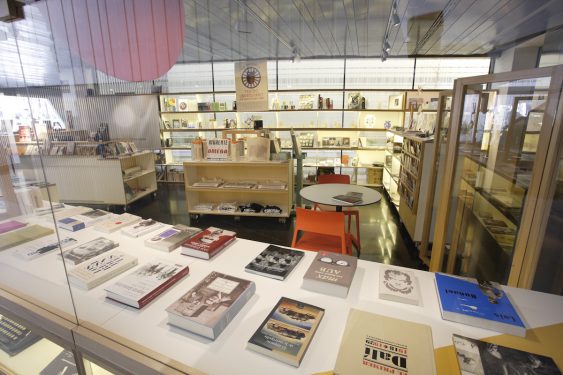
{"points": [[170, 238], [330, 273], [287, 331], [42, 246], [211, 305], [398, 284], [275, 262], [88, 250], [208, 243], [95, 271]]}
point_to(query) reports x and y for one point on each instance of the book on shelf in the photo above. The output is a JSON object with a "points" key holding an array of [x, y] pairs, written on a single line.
{"points": [[482, 304], [141, 228], [93, 272], [169, 239], [272, 186], [275, 262], [150, 280], [208, 243], [239, 185], [287, 331], [330, 273], [476, 357], [208, 183], [23, 235], [117, 222], [62, 364], [399, 285], [88, 250], [14, 337], [42, 246], [377, 344], [11, 225], [211, 305]]}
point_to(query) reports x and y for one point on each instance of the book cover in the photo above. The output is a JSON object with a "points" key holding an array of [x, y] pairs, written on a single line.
{"points": [[275, 262], [23, 235], [91, 217], [113, 224], [476, 357], [141, 228], [88, 250], [211, 305], [37, 248], [481, 304], [169, 239], [15, 337], [8, 226], [376, 344], [287, 331], [399, 285], [71, 224], [63, 364], [142, 286], [93, 272], [330, 273], [208, 242], [350, 197]]}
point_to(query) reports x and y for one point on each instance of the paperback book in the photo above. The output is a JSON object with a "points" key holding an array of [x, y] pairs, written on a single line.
{"points": [[211, 305], [139, 288], [37, 248], [476, 357], [14, 337], [482, 304], [91, 217], [169, 239], [63, 364], [208, 243], [141, 228], [376, 344], [88, 250], [275, 262], [71, 224], [98, 270], [330, 273], [399, 285], [11, 225], [23, 235], [287, 331], [115, 223]]}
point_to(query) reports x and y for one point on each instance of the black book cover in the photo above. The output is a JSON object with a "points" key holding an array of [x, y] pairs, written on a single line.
{"points": [[275, 262], [14, 337]]}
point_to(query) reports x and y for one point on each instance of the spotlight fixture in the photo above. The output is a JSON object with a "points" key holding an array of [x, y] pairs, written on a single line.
{"points": [[395, 20], [384, 54], [386, 46]]}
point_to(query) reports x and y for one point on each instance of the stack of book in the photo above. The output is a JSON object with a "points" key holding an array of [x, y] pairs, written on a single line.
{"points": [[208, 243]]}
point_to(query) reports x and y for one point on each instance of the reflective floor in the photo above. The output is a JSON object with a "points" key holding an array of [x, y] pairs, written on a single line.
{"points": [[383, 238]]}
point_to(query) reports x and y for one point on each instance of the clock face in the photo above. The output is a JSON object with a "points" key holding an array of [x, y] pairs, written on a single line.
{"points": [[251, 77]]}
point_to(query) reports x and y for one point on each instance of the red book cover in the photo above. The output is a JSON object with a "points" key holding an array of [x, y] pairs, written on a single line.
{"points": [[208, 242], [171, 281]]}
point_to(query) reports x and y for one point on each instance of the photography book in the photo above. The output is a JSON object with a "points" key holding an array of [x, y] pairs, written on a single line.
{"points": [[275, 262], [23, 235], [351, 197], [42, 246], [117, 222], [476, 357], [139, 288], [14, 337], [376, 344], [482, 304], [63, 364], [287, 331], [95, 271], [207, 243], [399, 285], [169, 239], [10, 226], [209, 307], [88, 250], [141, 228], [330, 273]]}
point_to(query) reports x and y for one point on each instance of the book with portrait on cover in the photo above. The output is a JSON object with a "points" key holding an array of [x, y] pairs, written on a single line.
{"points": [[275, 262], [208, 243], [209, 307], [399, 285], [95, 271], [88, 250], [330, 273]]}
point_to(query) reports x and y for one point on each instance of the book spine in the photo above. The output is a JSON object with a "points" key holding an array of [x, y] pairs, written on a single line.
{"points": [[162, 287]]}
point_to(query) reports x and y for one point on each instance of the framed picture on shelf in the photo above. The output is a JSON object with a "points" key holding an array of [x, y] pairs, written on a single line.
{"points": [[183, 105], [354, 100], [184, 124], [306, 101], [176, 124], [414, 103], [395, 101]]}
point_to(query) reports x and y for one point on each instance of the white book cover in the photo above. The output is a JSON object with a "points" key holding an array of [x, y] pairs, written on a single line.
{"points": [[91, 217], [88, 250], [42, 246], [170, 238], [141, 228], [399, 285], [117, 222], [68, 211], [100, 269]]}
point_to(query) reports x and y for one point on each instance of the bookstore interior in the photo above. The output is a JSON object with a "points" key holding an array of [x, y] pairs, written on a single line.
{"points": [[265, 186]]}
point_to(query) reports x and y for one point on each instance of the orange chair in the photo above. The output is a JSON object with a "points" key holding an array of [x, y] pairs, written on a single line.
{"points": [[348, 211], [321, 230]]}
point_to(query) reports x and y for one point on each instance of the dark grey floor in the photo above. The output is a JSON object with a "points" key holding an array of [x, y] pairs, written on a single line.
{"points": [[383, 238]]}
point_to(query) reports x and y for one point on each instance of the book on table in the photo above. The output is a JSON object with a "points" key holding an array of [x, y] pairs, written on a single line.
{"points": [[93, 272], [139, 288], [42, 246], [83, 220], [211, 305], [287, 331], [208, 243], [275, 262], [23, 235], [63, 364], [88, 250], [330, 273], [71, 224], [141, 228], [14, 337], [351, 197], [11, 225], [482, 304], [117, 222], [377, 344], [476, 357], [172, 237], [399, 285]]}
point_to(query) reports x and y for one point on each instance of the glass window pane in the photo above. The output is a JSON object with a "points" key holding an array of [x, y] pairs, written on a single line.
{"points": [[373, 73], [311, 74], [440, 73]]}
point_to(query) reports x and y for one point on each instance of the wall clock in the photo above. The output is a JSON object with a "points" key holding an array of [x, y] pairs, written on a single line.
{"points": [[251, 77]]}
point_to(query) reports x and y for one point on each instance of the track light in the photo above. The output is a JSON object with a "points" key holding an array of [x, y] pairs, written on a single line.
{"points": [[386, 46], [384, 55], [395, 20]]}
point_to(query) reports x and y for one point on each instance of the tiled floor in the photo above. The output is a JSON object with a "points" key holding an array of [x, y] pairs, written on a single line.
{"points": [[384, 239]]}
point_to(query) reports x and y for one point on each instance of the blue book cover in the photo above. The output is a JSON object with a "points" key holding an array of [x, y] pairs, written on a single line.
{"points": [[72, 224], [477, 299]]}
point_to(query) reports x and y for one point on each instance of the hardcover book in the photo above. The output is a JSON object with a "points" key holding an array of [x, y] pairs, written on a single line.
{"points": [[63, 364], [275, 262], [95, 271], [350, 197], [209, 307], [71, 224], [142, 286], [287, 331], [116, 223], [14, 337], [37, 248], [171, 238], [482, 304], [8, 226], [141, 228], [376, 344], [399, 285], [23, 235], [330, 273], [88, 250], [476, 357], [208, 243]]}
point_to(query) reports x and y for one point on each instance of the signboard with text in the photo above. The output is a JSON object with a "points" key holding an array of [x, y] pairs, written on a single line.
{"points": [[251, 81], [217, 149]]}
